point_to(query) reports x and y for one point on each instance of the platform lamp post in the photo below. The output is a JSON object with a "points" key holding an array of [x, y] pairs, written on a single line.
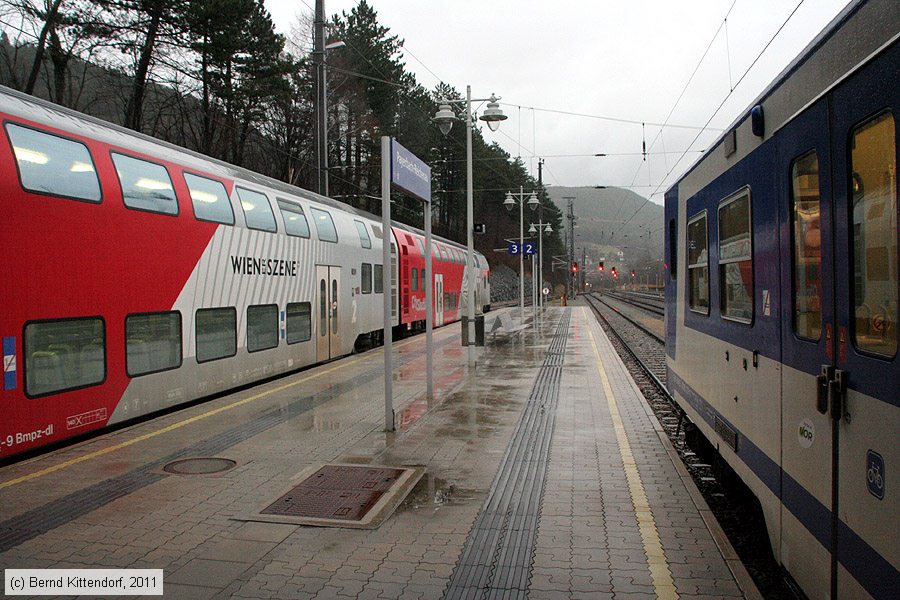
{"points": [[540, 229], [511, 199], [444, 118]]}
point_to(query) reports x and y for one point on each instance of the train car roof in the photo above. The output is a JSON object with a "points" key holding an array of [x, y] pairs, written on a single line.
{"points": [[883, 13], [54, 115]]}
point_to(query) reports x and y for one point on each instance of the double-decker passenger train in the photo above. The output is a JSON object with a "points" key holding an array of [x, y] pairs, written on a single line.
{"points": [[137, 275], [782, 305]]}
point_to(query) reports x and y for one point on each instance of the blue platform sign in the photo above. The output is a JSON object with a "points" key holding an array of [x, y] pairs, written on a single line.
{"points": [[528, 248], [409, 173]]}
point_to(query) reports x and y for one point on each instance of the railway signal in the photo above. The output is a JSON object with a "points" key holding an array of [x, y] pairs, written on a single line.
{"points": [[574, 267], [600, 266]]}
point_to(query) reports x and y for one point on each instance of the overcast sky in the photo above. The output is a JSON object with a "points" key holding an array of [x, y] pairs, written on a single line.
{"points": [[627, 60]]}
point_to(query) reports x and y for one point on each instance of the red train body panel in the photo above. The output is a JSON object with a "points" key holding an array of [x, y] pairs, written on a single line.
{"points": [[79, 268]]}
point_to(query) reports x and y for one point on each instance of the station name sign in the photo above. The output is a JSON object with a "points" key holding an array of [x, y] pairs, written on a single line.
{"points": [[409, 173]]}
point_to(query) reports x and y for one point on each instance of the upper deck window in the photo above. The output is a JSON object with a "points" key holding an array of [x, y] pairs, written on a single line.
{"points": [[52, 165], [145, 185], [257, 210], [421, 247], [698, 264], [324, 225], [364, 239], [874, 235], [294, 219], [736, 258], [210, 199]]}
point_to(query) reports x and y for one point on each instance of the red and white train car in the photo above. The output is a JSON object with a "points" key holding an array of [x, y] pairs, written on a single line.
{"points": [[138, 275]]}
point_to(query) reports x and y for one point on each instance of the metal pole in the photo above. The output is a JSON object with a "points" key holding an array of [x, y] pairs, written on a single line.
{"points": [[429, 308], [386, 282], [521, 254], [541, 262], [321, 114], [540, 238], [470, 242]]}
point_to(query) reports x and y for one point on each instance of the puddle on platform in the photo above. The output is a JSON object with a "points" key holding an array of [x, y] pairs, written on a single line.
{"points": [[433, 493]]}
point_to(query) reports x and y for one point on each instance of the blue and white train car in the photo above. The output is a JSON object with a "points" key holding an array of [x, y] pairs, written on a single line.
{"points": [[782, 305]]}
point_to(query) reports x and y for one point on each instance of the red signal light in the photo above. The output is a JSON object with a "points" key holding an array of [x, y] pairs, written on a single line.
{"points": [[574, 267], [600, 266]]}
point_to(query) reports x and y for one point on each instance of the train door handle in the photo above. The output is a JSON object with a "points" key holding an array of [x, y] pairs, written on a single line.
{"points": [[823, 388], [838, 386]]}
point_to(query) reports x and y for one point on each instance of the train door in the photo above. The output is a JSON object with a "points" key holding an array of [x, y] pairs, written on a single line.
{"points": [[808, 333], [438, 299], [328, 312], [865, 393]]}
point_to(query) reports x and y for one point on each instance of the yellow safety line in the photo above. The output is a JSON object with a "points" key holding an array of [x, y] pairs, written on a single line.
{"points": [[663, 583], [188, 421]]}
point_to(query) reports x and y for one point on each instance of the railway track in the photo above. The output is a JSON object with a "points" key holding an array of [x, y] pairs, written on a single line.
{"points": [[735, 508], [650, 304]]}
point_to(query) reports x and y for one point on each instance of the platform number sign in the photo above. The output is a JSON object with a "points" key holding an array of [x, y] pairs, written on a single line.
{"points": [[876, 478], [528, 248]]}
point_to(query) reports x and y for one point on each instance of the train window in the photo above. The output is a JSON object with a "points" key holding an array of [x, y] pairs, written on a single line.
{"points": [[421, 247], [323, 308], [324, 225], [807, 247], [210, 199], [698, 264], [299, 322], [145, 185], [334, 307], [262, 327], [49, 164], [216, 333], [378, 278], [366, 276], [874, 235], [152, 343], [414, 279], [735, 258], [62, 355], [364, 239], [673, 249], [422, 284], [257, 210], [294, 219]]}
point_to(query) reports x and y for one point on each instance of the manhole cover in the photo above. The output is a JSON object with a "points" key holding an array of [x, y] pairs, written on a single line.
{"points": [[199, 466], [336, 492], [344, 496]]}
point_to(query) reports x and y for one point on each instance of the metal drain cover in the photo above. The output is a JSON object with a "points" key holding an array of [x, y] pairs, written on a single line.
{"points": [[360, 496], [199, 466]]}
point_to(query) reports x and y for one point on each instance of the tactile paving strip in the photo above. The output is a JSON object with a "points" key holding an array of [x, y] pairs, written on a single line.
{"points": [[496, 559], [340, 492]]}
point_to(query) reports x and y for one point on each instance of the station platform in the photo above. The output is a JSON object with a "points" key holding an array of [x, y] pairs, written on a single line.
{"points": [[545, 476]]}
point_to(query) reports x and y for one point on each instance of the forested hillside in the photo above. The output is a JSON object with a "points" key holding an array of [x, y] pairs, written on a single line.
{"points": [[214, 76]]}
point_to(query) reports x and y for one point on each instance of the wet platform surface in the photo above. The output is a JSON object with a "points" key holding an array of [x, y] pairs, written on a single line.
{"points": [[546, 477]]}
